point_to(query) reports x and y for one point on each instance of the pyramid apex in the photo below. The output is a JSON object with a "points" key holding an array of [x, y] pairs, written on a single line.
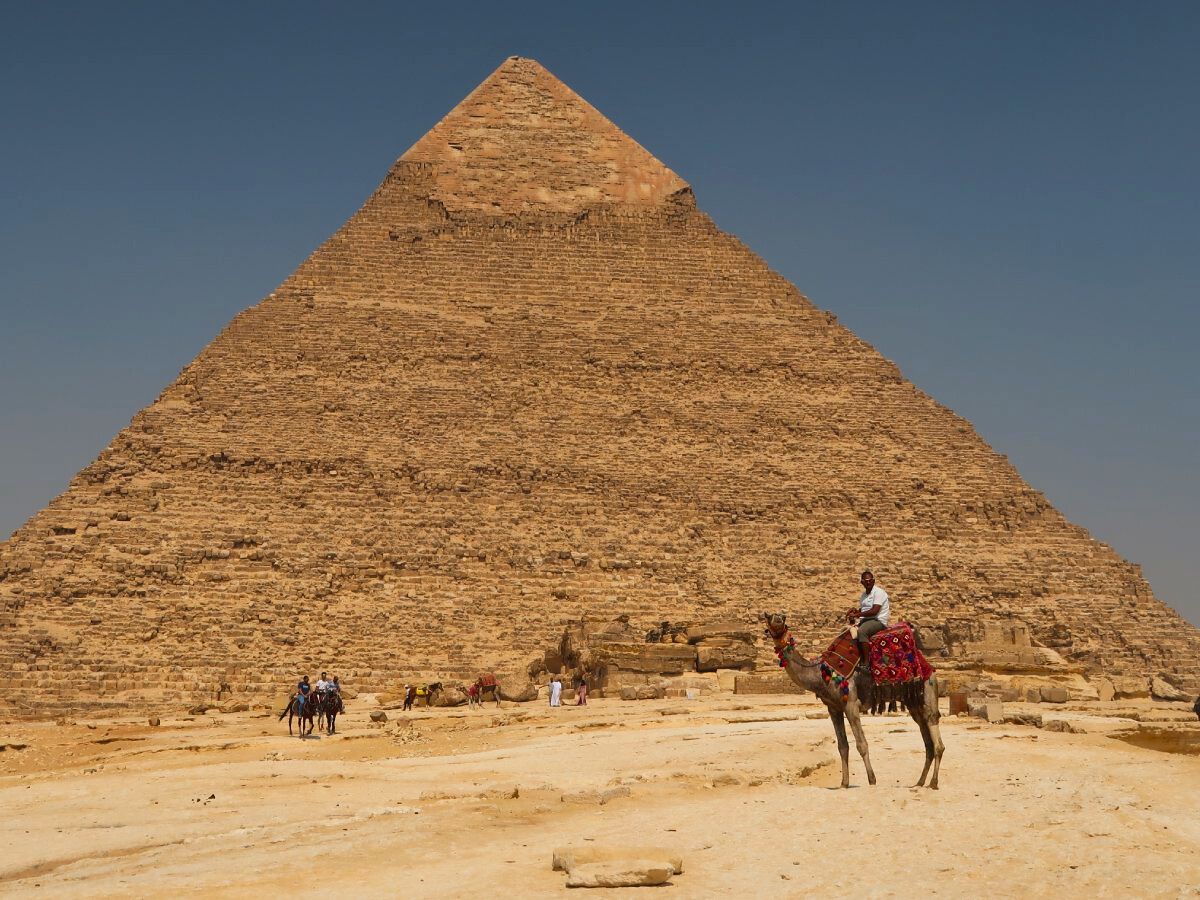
{"points": [[523, 141]]}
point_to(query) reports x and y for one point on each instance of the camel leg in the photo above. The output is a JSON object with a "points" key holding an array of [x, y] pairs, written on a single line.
{"points": [[933, 716], [860, 739], [927, 737], [839, 729]]}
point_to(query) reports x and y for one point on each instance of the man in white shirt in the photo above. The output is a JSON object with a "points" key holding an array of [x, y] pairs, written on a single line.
{"points": [[872, 613]]}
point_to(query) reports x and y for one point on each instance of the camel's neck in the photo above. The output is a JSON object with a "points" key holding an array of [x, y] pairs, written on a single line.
{"points": [[804, 672], [785, 649]]}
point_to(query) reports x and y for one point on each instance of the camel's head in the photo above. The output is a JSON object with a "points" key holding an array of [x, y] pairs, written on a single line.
{"points": [[776, 625]]}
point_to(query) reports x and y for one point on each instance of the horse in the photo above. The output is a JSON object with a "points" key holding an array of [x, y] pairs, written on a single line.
{"points": [[303, 709], [428, 692], [331, 706], [487, 684]]}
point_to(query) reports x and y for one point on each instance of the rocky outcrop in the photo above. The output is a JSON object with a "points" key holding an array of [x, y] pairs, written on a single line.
{"points": [[518, 691]]}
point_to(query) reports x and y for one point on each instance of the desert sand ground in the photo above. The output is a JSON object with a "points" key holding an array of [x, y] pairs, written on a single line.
{"points": [[458, 803]]}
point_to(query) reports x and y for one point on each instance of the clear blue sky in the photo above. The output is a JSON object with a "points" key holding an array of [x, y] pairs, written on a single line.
{"points": [[1003, 198]]}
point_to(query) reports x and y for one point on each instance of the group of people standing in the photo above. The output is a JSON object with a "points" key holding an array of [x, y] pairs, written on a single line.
{"points": [[581, 691]]}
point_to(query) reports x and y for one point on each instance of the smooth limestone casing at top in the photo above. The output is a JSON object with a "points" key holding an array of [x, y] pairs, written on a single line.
{"points": [[528, 381]]}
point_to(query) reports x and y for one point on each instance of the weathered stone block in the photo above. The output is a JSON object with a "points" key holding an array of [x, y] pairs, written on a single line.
{"points": [[1055, 694], [1163, 690], [1128, 687], [739, 631], [736, 656], [771, 683], [656, 658]]}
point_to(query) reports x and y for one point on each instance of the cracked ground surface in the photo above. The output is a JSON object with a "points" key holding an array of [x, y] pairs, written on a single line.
{"points": [[448, 803]]}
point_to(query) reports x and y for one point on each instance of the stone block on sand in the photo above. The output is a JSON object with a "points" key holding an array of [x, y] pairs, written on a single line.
{"points": [[643, 692], [616, 866], [1105, 689], [1128, 687], [1055, 694], [619, 873], [1163, 690]]}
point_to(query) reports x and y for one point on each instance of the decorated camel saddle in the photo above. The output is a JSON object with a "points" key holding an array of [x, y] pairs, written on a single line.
{"points": [[894, 662]]}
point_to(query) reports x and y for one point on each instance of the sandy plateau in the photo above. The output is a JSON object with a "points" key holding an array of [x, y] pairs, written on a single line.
{"points": [[457, 803]]}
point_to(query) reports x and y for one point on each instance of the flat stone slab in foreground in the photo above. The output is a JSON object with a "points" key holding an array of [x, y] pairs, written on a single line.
{"points": [[617, 866]]}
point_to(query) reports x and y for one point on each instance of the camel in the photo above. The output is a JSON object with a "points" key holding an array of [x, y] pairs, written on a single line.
{"points": [[921, 703]]}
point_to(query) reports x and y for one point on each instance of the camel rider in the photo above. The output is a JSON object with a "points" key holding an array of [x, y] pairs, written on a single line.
{"points": [[871, 614]]}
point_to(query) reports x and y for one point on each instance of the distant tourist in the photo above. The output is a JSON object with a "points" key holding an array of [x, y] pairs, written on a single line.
{"points": [[555, 692], [473, 696], [581, 691], [410, 694], [872, 612]]}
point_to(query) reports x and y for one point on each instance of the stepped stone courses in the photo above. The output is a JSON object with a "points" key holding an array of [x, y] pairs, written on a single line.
{"points": [[529, 381]]}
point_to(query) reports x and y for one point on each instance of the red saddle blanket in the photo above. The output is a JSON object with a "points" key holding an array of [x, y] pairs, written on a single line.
{"points": [[487, 680], [894, 656], [843, 654]]}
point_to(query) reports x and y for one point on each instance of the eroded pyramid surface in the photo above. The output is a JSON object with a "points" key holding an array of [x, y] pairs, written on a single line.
{"points": [[530, 381]]}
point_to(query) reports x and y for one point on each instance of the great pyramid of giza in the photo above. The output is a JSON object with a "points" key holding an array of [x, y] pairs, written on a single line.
{"points": [[530, 381]]}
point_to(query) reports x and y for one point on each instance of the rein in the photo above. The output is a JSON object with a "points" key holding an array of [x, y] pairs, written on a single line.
{"points": [[785, 649]]}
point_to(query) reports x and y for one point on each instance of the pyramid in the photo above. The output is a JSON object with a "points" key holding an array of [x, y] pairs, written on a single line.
{"points": [[530, 381]]}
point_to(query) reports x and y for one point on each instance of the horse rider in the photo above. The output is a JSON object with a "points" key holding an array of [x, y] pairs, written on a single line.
{"points": [[871, 614], [301, 695]]}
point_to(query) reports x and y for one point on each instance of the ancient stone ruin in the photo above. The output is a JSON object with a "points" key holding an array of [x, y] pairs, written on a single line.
{"points": [[618, 659], [530, 380]]}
